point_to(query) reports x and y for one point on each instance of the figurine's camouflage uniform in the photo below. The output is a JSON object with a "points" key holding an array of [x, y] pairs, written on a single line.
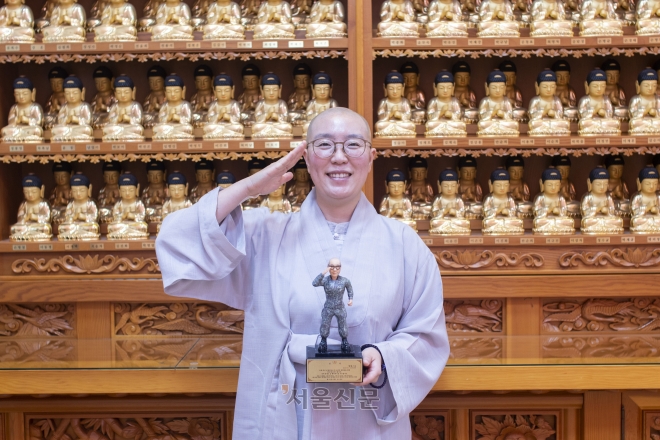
{"points": [[334, 306]]}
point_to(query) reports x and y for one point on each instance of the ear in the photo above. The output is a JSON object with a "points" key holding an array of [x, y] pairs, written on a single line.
{"points": [[639, 185], [34, 94], [330, 94], [43, 191], [387, 188], [89, 191], [137, 190], [537, 88], [185, 191], [490, 186], [232, 92], [385, 90], [588, 185], [439, 188], [82, 95], [184, 92], [167, 191], [637, 87], [586, 88], [435, 90], [279, 92], [541, 184], [133, 94], [313, 93], [261, 89], [487, 91]]}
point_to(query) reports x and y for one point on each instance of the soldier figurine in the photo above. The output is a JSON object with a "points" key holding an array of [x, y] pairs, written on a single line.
{"points": [[334, 287]]}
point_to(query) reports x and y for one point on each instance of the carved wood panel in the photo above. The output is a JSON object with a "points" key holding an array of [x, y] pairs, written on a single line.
{"points": [[629, 257], [84, 264], [484, 259], [481, 316], [185, 352], [37, 320], [601, 346], [429, 425], [487, 347], [652, 422], [41, 353], [515, 426]]}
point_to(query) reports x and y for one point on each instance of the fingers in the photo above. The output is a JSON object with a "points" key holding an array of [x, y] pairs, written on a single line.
{"points": [[288, 161], [372, 374]]}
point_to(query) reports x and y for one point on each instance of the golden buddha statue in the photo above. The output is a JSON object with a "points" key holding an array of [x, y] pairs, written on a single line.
{"points": [[172, 22], [496, 19], [598, 209], [549, 19], [545, 110], [128, 213], [61, 194], [56, 78], [550, 211], [149, 15], [566, 188], [645, 106], [496, 110], [616, 187], [397, 19], [321, 98], [565, 92], [413, 93], [105, 96], [26, 116], [82, 215], [598, 18], [117, 23], [33, 222], [125, 116], [419, 190], [156, 97], [394, 111], [67, 23], [249, 11], [46, 13], [109, 194], [646, 203], [300, 186], [515, 166], [500, 211], [223, 21], [464, 93], [271, 114], [94, 16], [223, 120], [327, 20], [445, 20], [251, 77], [75, 117], [177, 195], [595, 109], [470, 10], [445, 115], [512, 91], [396, 204], [153, 196], [198, 14], [204, 178], [225, 179], [300, 12], [175, 115], [274, 21], [613, 90], [302, 94], [468, 188], [421, 8], [16, 22], [277, 201], [203, 96], [254, 166], [448, 209], [647, 17]]}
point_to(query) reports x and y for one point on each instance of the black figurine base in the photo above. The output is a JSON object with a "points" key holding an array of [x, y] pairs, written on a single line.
{"points": [[334, 366]]}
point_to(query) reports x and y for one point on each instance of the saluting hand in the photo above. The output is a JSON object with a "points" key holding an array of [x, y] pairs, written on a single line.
{"points": [[274, 175]]}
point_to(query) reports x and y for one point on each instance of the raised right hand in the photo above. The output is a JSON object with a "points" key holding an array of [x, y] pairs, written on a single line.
{"points": [[274, 175]]}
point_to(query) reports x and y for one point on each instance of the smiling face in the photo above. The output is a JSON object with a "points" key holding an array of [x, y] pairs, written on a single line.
{"points": [[599, 187], [444, 90], [128, 193], [203, 82], [250, 82], [62, 178], [103, 84], [467, 173], [547, 89], [223, 93], [500, 187], [32, 194], [335, 267], [649, 186], [23, 96], [271, 93], [124, 95], [394, 91], [449, 188], [177, 192], [174, 94], [204, 176], [322, 91], [496, 90], [73, 96], [156, 83], [551, 187], [462, 79], [111, 177], [79, 193], [597, 88], [301, 81], [396, 189]]}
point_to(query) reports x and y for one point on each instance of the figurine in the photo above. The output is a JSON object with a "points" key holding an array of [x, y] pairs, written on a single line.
{"points": [[125, 116], [203, 97], [545, 109], [448, 209], [321, 98], [421, 8], [394, 111], [67, 23], [500, 212], [413, 93], [496, 110], [515, 166], [175, 116], [146, 23], [223, 120], [16, 22], [204, 178], [225, 179], [419, 190], [254, 166], [34, 213], [646, 203], [251, 77], [300, 187], [598, 18], [46, 13], [223, 21], [616, 187], [550, 211], [105, 96], [464, 93], [512, 91], [647, 17], [61, 194], [566, 188], [156, 97], [271, 114], [94, 17], [172, 22], [75, 117], [128, 213], [598, 212], [470, 11], [249, 11], [496, 19], [26, 116], [397, 19], [327, 20], [177, 195], [445, 20], [300, 11], [565, 92], [117, 22], [82, 215], [445, 115], [645, 106], [277, 201], [468, 188], [153, 196], [198, 14], [595, 109], [274, 21], [613, 90], [396, 204], [109, 194], [549, 19], [56, 77], [334, 287], [302, 94]]}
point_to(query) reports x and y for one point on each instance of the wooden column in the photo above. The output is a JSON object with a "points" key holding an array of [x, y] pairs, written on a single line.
{"points": [[602, 415], [93, 321], [15, 429], [523, 323]]}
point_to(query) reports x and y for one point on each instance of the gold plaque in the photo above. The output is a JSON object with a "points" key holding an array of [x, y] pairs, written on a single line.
{"points": [[334, 370]]}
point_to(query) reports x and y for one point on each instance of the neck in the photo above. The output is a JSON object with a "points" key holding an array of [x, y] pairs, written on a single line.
{"points": [[337, 211]]}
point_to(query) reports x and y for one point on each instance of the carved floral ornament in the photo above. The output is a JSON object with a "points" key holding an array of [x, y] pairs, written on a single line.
{"points": [[630, 257], [483, 316], [42, 352], [428, 427], [525, 152], [513, 53], [601, 314], [654, 427], [37, 320], [88, 264], [483, 259], [515, 427], [46, 159]]}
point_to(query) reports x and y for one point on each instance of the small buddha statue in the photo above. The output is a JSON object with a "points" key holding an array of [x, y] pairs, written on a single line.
{"points": [[515, 166], [550, 211], [616, 186], [468, 188], [223, 21], [271, 114], [464, 93], [445, 115], [598, 209], [75, 117], [549, 19], [26, 116], [327, 20], [118, 22], [249, 11], [177, 195], [396, 204], [175, 116], [470, 10], [274, 21], [448, 209], [646, 203], [500, 210], [595, 110], [109, 194], [300, 12], [56, 77], [125, 116], [496, 110], [613, 90], [277, 201], [300, 186], [105, 96], [203, 96], [225, 179], [397, 19], [413, 93], [67, 23], [566, 188], [16, 22], [565, 92], [644, 107], [421, 8], [254, 166], [172, 22], [445, 20], [153, 196], [33, 214], [321, 98], [198, 14], [156, 97], [128, 213], [46, 13], [545, 110], [61, 194], [223, 120], [94, 16], [204, 178], [512, 91], [251, 77], [302, 93], [419, 190], [394, 111], [598, 18], [647, 17], [496, 19], [81, 219], [148, 19]]}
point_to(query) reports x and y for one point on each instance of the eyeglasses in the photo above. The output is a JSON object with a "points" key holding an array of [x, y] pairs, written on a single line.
{"points": [[334, 267], [325, 148]]}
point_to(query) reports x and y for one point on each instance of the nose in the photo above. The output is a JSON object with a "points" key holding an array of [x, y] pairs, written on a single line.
{"points": [[339, 156]]}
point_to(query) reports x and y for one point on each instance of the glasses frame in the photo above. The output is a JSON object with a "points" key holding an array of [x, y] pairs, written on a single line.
{"points": [[312, 143]]}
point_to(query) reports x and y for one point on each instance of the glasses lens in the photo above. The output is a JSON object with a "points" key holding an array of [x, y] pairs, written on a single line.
{"points": [[354, 147], [323, 147]]}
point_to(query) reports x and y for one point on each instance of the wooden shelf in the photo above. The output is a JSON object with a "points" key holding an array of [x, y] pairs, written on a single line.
{"points": [[14, 247]]}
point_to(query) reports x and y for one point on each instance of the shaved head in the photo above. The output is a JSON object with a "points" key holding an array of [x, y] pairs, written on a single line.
{"points": [[334, 262], [338, 116]]}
